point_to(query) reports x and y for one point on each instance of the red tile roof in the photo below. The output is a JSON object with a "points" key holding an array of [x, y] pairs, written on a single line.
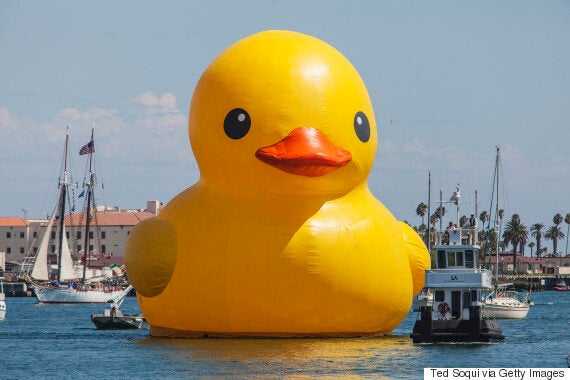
{"points": [[8, 221], [109, 218]]}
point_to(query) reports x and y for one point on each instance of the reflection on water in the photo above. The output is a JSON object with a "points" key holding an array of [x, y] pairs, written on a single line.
{"points": [[289, 357]]}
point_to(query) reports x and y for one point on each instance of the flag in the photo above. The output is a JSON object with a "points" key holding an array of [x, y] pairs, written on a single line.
{"points": [[87, 148], [82, 194]]}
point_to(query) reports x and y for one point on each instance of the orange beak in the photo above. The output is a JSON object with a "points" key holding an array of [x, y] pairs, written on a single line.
{"points": [[305, 151]]}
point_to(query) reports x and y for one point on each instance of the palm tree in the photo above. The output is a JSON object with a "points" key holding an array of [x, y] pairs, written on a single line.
{"points": [[557, 219], [516, 234], [567, 220], [484, 216], [489, 243], [531, 246], [536, 232], [421, 210], [554, 233]]}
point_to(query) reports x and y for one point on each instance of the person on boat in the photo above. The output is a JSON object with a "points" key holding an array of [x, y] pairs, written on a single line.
{"points": [[451, 226]]}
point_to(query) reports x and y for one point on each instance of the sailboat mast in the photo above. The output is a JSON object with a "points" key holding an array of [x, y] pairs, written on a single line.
{"points": [[497, 161], [429, 211], [63, 194], [86, 252]]}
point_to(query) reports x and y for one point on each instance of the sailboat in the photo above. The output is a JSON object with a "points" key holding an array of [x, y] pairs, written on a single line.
{"points": [[68, 287], [503, 303]]}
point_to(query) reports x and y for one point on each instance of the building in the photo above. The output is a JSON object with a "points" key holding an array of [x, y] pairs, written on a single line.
{"points": [[109, 229], [530, 265]]}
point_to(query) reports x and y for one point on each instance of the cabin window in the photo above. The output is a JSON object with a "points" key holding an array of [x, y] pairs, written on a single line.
{"points": [[469, 259], [79, 234], [459, 259], [441, 259], [451, 259], [8, 234], [21, 234], [439, 296]]}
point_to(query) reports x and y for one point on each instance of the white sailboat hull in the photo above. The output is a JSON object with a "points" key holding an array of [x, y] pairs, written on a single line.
{"points": [[70, 295], [2, 307], [505, 308]]}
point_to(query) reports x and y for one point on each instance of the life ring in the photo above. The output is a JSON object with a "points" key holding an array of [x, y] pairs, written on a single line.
{"points": [[443, 308]]}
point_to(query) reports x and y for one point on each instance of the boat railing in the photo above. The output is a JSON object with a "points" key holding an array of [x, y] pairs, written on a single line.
{"points": [[457, 236]]}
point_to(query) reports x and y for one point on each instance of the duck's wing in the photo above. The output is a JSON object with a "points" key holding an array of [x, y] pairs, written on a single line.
{"points": [[418, 255], [150, 256]]}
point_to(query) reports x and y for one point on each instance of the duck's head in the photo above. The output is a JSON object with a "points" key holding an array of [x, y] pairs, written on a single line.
{"points": [[282, 112]]}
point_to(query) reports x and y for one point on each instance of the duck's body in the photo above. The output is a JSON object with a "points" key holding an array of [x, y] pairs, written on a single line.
{"points": [[279, 237]]}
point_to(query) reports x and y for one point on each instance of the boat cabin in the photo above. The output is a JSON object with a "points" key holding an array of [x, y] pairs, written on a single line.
{"points": [[450, 304], [456, 283]]}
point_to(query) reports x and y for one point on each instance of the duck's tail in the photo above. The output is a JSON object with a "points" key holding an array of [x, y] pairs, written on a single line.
{"points": [[417, 254]]}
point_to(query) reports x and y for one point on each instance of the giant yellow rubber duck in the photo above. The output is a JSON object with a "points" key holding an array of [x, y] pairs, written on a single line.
{"points": [[281, 235]]}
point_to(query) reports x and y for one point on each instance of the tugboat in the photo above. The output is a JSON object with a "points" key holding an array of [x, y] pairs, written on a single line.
{"points": [[450, 304]]}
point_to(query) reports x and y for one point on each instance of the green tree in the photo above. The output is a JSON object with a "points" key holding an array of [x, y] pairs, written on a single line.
{"points": [[554, 233], [536, 232], [531, 246], [516, 234], [463, 221], [490, 242], [483, 217], [421, 210]]}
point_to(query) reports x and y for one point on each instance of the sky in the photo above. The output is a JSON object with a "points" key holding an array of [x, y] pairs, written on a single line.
{"points": [[449, 81]]}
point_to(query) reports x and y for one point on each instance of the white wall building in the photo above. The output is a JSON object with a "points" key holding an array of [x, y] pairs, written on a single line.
{"points": [[109, 230]]}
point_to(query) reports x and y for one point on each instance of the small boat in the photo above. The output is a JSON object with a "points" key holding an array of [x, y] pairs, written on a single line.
{"points": [[2, 300], [114, 319], [506, 304], [561, 286], [502, 303], [450, 305]]}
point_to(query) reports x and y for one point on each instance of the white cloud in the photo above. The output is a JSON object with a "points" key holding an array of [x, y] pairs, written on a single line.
{"points": [[8, 122], [153, 104], [416, 146]]}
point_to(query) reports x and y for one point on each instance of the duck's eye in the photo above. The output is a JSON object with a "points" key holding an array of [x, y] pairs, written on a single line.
{"points": [[362, 126], [237, 123]]}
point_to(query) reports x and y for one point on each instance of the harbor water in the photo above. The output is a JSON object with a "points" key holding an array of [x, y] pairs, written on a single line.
{"points": [[59, 341]]}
